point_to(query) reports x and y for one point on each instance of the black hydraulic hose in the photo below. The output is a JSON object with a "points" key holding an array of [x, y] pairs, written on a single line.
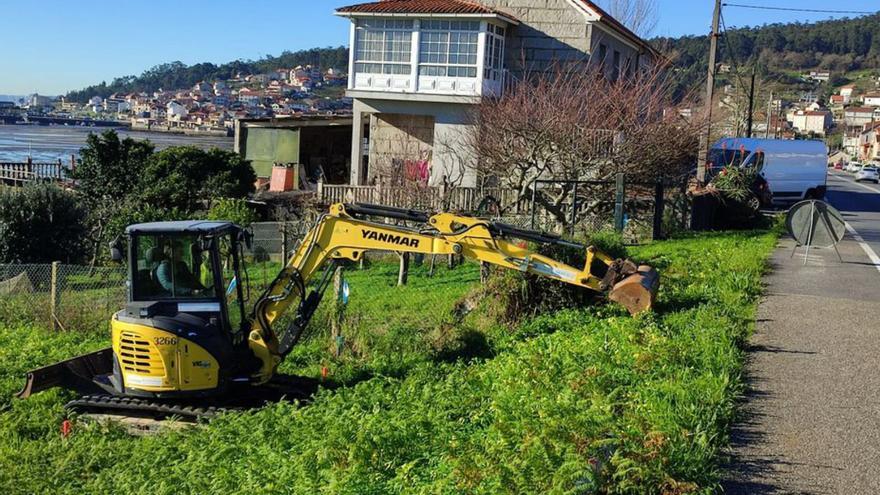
{"points": [[531, 235], [387, 212]]}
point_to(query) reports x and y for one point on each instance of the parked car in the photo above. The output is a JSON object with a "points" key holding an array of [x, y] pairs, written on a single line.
{"points": [[853, 167], [793, 170], [838, 166], [868, 173]]}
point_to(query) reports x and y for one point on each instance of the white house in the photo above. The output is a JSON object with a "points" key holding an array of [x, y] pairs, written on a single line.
{"points": [[821, 76], [417, 68], [815, 121], [871, 99], [847, 93], [858, 116], [174, 110]]}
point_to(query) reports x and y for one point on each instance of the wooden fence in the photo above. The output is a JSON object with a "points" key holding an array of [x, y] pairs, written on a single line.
{"points": [[428, 197]]}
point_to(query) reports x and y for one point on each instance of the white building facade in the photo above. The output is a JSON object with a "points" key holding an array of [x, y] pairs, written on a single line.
{"points": [[418, 69]]}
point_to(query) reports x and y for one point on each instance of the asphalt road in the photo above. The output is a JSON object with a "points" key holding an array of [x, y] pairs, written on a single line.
{"points": [[861, 203], [810, 421]]}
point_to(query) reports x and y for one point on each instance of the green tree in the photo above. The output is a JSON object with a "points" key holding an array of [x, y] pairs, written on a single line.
{"points": [[188, 178], [40, 224], [108, 174]]}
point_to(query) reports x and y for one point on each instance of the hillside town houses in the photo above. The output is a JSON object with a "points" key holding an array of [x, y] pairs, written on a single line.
{"points": [[212, 106]]}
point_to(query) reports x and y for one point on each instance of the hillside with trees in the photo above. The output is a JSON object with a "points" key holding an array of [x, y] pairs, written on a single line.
{"points": [[836, 45], [177, 75]]}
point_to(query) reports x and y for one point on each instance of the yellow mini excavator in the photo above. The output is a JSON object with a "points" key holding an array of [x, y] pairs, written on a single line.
{"points": [[185, 335]]}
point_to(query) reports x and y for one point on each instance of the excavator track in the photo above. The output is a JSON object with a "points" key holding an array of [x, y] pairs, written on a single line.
{"points": [[281, 387], [106, 404]]}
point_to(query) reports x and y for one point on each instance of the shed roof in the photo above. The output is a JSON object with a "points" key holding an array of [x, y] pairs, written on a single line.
{"points": [[180, 226]]}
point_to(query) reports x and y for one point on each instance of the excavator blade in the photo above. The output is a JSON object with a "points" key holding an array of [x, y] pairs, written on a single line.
{"points": [[637, 292], [77, 373]]}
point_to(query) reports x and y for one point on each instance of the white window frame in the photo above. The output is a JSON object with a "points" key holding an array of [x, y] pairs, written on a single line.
{"points": [[493, 65], [381, 26], [427, 29]]}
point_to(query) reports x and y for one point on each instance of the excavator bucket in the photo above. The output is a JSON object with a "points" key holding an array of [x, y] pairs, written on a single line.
{"points": [[77, 373], [637, 292]]}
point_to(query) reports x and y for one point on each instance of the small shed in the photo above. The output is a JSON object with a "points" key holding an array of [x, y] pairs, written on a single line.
{"points": [[314, 145]]}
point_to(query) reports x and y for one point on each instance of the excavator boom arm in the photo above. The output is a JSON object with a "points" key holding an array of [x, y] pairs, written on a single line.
{"points": [[341, 235]]}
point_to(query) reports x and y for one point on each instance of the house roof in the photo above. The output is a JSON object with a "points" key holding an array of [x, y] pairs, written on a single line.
{"points": [[403, 7], [860, 109], [468, 7]]}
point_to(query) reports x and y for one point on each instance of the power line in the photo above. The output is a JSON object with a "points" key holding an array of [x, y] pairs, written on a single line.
{"points": [[792, 9]]}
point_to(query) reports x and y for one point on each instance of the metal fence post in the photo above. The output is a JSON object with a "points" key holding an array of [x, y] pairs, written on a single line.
{"points": [[54, 295], [339, 308], [403, 274], [534, 188], [574, 203], [618, 203], [284, 245], [658, 211]]}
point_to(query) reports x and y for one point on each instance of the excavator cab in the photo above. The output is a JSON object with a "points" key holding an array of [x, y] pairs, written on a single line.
{"points": [[185, 313], [183, 330]]}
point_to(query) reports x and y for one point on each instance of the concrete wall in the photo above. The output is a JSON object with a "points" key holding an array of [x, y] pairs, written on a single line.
{"points": [[447, 144]]}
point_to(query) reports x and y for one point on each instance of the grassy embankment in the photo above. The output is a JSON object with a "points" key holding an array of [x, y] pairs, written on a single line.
{"points": [[579, 401]]}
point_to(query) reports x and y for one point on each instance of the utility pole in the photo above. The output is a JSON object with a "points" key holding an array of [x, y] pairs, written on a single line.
{"points": [[710, 90], [769, 113], [751, 105]]}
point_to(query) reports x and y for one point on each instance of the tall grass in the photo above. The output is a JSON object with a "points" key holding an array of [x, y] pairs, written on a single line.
{"points": [[579, 401]]}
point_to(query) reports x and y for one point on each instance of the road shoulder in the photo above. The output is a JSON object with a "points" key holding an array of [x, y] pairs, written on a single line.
{"points": [[809, 423]]}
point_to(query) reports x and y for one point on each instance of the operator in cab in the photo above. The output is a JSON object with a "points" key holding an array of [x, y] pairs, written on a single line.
{"points": [[173, 274]]}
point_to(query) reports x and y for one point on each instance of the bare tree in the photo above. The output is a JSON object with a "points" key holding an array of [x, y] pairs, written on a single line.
{"points": [[573, 123], [641, 16]]}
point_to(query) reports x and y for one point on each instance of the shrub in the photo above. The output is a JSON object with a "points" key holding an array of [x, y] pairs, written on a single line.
{"points": [[520, 296], [234, 210], [40, 224]]}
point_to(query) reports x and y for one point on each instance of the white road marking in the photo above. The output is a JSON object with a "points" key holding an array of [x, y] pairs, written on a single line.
{"points": [[865, 247], [853, 232]]}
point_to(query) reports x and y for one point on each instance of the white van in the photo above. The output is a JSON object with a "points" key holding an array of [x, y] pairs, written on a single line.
{"points": [[794, 170]]}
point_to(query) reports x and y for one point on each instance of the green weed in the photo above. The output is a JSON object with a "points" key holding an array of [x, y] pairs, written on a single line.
{"points": [[578, 401]]}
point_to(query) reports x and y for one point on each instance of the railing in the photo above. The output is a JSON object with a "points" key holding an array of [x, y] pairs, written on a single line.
{"points": [[29, 171], [435, 198]]}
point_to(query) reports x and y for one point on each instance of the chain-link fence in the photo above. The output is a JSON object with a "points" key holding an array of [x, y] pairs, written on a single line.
{"points": [[641, 211], [59, 296]]}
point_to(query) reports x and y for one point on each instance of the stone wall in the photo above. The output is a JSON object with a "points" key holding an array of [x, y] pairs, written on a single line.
{"points": [[397, 141], [450, 129], [554, 31], [549, 31]]}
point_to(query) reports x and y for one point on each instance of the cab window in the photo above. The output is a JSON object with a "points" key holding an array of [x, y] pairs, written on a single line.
{"points": [[171, 266], [231, 288]]}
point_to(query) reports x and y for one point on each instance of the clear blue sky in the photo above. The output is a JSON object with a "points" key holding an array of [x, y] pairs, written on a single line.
{"points": [[67, 45]]}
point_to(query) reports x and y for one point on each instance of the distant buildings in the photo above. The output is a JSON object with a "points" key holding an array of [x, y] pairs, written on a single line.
{"points": [[811, 121]]}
